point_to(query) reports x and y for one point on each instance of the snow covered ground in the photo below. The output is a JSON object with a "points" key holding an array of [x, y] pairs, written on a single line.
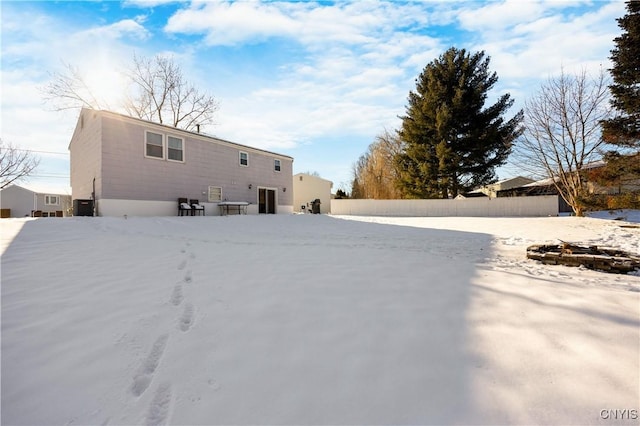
{"points": [[309, 319]]}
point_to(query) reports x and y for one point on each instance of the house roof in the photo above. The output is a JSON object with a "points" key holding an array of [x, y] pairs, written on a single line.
{"points": [[312, 176], [183, 131], [40, 189], [543, 182]]}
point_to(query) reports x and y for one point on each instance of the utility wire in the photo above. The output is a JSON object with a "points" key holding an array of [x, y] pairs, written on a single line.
{"points": [[41, 152]]}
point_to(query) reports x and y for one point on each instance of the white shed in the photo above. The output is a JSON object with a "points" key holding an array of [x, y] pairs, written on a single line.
{"points": [[307, 188]]}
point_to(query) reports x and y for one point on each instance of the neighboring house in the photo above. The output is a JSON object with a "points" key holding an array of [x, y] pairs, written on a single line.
{"points": [[307, 188], [140, 168], [629, 183], [17, 201], [491, 190], [541, 187]]}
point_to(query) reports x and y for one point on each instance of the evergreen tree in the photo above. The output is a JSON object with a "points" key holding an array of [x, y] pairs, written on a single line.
{"points": [[624, 129], [452, 142]]}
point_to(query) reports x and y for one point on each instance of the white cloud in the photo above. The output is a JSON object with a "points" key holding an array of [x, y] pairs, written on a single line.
{"points": [[229, 23], [121, 29], [539, 45], [148, 3]]}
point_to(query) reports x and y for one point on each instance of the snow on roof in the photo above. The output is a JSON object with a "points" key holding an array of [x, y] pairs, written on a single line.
{"points": [[543, 182]]}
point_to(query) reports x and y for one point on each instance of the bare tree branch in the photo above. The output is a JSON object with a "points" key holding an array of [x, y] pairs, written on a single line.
{"points": [[375, 172], [161, 94], [562, 131], [158, 92], [15, 163], [69, 90]]}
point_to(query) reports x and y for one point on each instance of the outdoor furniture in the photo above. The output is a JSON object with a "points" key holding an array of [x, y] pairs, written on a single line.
{"points": [[196, 207], [241, 206], [184, 206]]}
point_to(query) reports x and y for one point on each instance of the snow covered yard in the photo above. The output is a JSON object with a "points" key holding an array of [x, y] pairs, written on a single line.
{"points": [[308, 319]]}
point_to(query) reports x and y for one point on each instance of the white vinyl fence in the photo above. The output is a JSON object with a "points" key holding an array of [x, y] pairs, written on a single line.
{"points": [[546, 205]]}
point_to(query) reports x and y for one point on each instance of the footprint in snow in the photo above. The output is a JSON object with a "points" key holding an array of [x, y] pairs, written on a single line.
{"points": [[160, 406], [143, 377], [176, 296], [187, 277], [182, 264], [186, 320]]}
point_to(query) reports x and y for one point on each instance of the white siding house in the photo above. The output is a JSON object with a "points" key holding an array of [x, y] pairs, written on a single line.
{"points": [[307, 188], [140, 168], [17, 201]]}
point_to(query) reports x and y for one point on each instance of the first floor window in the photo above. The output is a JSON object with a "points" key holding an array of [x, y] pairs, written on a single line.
{"points": [[276, 165], [215, 194], [154, 146], [175, 149], [244, 158], [51, 200]]}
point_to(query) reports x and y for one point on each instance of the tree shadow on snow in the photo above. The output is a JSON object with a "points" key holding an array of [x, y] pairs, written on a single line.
{"points": [[365, 324]]}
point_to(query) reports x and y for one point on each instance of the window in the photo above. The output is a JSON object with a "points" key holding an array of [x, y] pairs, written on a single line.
{"points": [[51, 200], [276, 165], [215, 194], [154, 145], [175, 150], [244, 159]]}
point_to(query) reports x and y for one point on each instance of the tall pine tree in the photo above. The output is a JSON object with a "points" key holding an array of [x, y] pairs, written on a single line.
{"points": [[452, 142], [623, 130]]}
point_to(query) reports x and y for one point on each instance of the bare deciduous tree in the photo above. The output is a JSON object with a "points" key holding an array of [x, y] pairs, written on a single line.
{"points": [[562, 131], [161, 94], [158, 92], [15, 163], [375, 174], [69, 90]]}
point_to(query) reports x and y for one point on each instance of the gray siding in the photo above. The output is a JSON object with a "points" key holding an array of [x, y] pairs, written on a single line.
{"points": [[22, 201], [127, 174], [85, 155], [64, 204], [18, 199]]}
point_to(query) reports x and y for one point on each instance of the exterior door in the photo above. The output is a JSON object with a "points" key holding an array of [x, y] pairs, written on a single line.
{"points": [[266, 201]]}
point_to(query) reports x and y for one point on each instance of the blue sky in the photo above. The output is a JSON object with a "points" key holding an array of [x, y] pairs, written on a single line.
{"points": [[314, 80]]}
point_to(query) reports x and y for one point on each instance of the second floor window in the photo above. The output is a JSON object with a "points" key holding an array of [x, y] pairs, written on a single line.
{"points": [[276, 165], [244, 159], [154, 145], [175, 149]]}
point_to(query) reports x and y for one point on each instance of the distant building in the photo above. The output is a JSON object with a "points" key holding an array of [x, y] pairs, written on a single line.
{"points": [[17, 201], [307, 188], [492, 189]]}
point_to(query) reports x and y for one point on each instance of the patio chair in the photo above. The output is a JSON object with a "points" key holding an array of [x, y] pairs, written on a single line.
{"points": [[195, 205], [184, 206]]}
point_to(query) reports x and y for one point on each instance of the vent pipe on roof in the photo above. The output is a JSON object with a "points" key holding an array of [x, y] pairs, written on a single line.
{"points": [[198, 128]]}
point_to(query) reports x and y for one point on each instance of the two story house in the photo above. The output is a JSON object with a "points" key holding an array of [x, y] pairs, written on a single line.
{"points": [[129, 166]]}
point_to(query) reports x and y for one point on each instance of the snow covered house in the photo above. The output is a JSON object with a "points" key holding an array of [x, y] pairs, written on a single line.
{"points": [[129, 166], [17, 201], [308, 188]]}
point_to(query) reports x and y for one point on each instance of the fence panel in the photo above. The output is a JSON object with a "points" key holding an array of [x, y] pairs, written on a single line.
{"points": [[546, 205]]}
